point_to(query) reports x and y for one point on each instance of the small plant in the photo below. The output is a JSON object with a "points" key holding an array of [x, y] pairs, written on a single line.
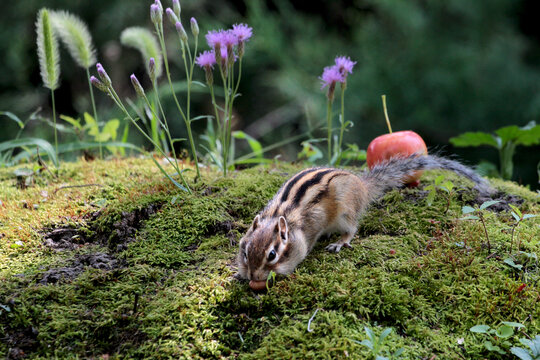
{"points": [[479, 215], [534, 349], [446, 186], [49, 59], [505, 141], [502, 333], [227, 49], [332, 75], [519, 217], [75, 35], [375, 344]]}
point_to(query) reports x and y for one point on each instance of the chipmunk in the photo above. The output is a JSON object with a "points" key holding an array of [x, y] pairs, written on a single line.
{"points": [[319, 201]]}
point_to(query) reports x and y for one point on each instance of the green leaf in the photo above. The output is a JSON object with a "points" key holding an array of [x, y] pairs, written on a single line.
{"points": [[526, 135], [367, 343], [511, 262], [33, 142], [521, 353], [109, 131], [488, 204], [13, 117], [467, 209], [474, 139], [448, 186], [494, 348], [255, 146], [384, 334], [513, 324], [516, 216], [202, 117], [76, 123], [528, 216], [198, 83], [515, 208], [370, 334], [480, 329], [439, 179], [505, 331], [176, 183], [91, 124]]}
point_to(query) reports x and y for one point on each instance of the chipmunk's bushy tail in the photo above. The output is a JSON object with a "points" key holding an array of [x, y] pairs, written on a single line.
{"points": [[392, 173]]}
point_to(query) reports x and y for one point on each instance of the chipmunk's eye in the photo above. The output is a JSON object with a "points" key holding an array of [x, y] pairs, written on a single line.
{"points": [[272, 255], [245, 255]]}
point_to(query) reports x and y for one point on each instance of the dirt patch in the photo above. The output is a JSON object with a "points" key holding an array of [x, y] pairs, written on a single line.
{"points": [[122, 233], [503, 198], [21, 342], [64, 238], [226, 227], [126, 228], [80, 263]]}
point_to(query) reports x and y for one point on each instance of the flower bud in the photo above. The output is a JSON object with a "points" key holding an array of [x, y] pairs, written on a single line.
{"points": [[155, 14], [172, 16], [103, 75], [137, 85], [152, 69], [98, 84], [176, 8], [181, 32], [209, 75], [194, 27]]}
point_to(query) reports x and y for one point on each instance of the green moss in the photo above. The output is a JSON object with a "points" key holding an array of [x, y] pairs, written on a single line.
{"points": [[172, 294]]}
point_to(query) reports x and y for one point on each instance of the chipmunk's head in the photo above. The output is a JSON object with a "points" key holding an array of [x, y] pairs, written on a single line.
{"points": [[264, 248]]}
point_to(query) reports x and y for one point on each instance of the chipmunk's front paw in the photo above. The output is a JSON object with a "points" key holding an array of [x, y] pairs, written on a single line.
{"points": [[336, 247]]}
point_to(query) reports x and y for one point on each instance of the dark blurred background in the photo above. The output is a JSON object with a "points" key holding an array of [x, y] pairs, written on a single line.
{"points": [[446, 67]]}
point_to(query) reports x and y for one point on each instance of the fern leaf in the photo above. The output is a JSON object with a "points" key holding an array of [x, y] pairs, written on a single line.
{"points": [[145, 42], [76, 37], [47, 48]]}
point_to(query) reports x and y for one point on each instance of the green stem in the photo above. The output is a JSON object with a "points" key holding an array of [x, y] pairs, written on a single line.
{"points": [[187, 118], [119, 103], [342, 128], [54, 120], [94, 108], [329, 127], [386, 114]]}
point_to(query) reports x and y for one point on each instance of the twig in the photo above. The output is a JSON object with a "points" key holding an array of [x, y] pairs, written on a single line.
{"points": [[42, 163], [75, 186], [310, 320]]}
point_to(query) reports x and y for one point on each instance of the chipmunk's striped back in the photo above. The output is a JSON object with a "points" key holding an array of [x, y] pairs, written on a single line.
{"points": [[302, 191]]}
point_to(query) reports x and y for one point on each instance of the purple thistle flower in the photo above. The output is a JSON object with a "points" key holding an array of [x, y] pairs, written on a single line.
{"points": [[155, 14], [345, 65], [207, 59], [172, 16], [194, 27], [330, 76], [181, 31], [103, 75], [137, 85], [176, 7], [152, 69], [242, 32], [228, 38], [213, 38], [98, 84]]}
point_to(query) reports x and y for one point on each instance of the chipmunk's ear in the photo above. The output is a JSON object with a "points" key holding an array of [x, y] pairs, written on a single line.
{"points": [[256, 222], [283, 229]]}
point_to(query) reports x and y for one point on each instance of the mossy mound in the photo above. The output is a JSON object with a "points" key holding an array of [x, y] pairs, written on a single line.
{"points": [[118, 269]]}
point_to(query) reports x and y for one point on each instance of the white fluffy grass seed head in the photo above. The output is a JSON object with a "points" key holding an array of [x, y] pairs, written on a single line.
{"points": [[145, 42], [75, 35], [47, 48]]}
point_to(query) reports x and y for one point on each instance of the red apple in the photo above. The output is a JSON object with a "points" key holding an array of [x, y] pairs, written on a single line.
{"points": [[397, 143]]}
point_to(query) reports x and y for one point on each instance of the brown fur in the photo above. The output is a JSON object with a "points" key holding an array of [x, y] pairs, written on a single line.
{"points": [[320, 201]]}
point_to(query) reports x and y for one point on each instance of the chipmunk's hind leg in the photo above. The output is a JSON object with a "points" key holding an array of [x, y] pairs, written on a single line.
{"points": [[345, 241]]}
